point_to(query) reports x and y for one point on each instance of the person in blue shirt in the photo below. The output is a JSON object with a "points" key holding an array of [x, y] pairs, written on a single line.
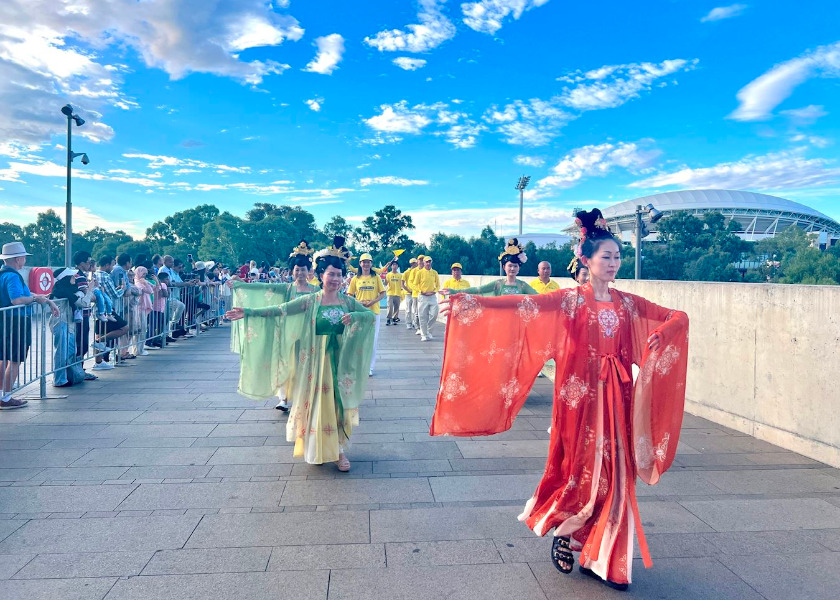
{"points": [[15, 320]]}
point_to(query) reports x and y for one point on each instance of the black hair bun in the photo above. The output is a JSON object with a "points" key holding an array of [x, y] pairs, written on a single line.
{"points": [[338, 242], [592, 224]]}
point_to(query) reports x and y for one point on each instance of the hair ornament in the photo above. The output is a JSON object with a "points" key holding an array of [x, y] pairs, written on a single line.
{"points": [[301, 249], [337, 249], [514, 251]]}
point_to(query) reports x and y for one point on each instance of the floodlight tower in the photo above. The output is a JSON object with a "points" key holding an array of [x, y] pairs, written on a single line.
{"points": [[521, 185]]}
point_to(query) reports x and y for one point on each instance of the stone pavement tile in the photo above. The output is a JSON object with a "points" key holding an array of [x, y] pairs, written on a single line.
{"points": [[82, 564], [86, 416], [249, 471], [167, 472], [835, 500], [468, 582], [250, 429], [260, 414], [89, 443], [100, 535], [80, 473], [716, 444], [208, 495], [404, 451], [130, 457], [449, 523], [158, 430], [190, 416], [17, 459], [12, 563], [9, 526], [46, 589], [684, 449], [484, 487], [536, 464], [511, 435], [278, 585], [281, 529], [458, 552], [355, 491], [743, 543], [421, 437], [410, 466], [211, 560], [788, 575], [765, 515], [22, 444], [396, 412], [780, 458], [675, 483], [524, 549], [216, 442], [712, 460], [62, 498], [157, 442], [830, 538], [780, 481], [503, 449], [670, 578], [19, 474], [669, 517], [394, 426], [252, 456], [330, 471], [49, 432], [342, 556]]}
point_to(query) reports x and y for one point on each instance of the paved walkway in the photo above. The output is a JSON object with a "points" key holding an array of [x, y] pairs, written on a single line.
{"points": [[158, 481]]}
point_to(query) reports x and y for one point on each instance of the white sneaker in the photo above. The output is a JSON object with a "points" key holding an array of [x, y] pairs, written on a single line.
{"points": [[370, 373], [424, 339], [283, 405], [103, 366], [430, 336], [144, 353], [418, 332], [150, 348], [100, 346]]}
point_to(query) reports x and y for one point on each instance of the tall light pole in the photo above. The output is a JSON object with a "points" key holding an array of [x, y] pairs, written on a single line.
{"points": [[641, 231], [521, 185], [72, 117]]}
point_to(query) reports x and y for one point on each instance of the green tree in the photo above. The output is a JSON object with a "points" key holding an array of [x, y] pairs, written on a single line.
{"points": [[9, 232], [385, 230], [225, 239], [45, 239], [185, 226], [135, 248], [811, 266]]}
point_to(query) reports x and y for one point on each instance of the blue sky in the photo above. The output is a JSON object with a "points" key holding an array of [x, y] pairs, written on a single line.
{"points": [[434, 106]]}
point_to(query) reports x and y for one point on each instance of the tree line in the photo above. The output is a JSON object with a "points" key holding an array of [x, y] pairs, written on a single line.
{"points": [[689, 248]]}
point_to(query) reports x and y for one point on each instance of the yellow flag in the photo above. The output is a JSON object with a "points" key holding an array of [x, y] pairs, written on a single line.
{"points": [[397, 253]]}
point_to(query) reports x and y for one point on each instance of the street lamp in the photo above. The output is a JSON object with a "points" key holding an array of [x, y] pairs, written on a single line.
{"points": [[521, 185], [642, 231], [72, 117]]}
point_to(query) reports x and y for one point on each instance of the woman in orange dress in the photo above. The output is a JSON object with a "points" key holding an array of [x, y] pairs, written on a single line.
{"points": [[605, 430]]}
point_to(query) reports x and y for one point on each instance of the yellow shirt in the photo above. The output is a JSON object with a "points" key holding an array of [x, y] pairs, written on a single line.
{"points": [[453, 284], [427, 280], [412, 281], [545, 288], [314, 281], [394, 284], [366, 288]]}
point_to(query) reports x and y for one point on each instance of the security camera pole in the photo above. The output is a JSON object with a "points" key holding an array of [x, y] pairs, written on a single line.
{"points": [[521, 185], [67, 111]]}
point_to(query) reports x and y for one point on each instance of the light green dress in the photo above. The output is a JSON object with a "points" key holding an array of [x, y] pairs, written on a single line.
{"points": [[331, 363], [500, 288]]}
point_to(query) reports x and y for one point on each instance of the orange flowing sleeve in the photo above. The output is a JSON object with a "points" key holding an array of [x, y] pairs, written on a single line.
{"points": [[659, 393], [494, 349]]}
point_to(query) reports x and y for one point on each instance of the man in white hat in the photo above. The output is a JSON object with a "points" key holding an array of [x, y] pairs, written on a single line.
{"points": [[15, 320]]}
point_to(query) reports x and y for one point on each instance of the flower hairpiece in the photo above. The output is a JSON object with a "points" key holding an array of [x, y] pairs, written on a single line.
{"points": [[301, 249], [514, 248]]}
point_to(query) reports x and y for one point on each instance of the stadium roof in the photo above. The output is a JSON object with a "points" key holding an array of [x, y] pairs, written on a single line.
{"points": [[759, 215]]}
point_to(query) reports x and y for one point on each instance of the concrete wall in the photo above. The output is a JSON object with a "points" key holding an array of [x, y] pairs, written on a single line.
{"points": [[764, 359]]}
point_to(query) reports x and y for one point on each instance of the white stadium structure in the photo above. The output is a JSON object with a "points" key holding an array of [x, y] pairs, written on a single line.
{"points": [[759, 216]]}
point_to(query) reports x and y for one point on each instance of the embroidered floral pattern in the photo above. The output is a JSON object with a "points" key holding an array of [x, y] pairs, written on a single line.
{"points": [[269, 295], [573, 391], [528, 310], [250, 334], [547, 353], [570, 485], [571, 302], [603, 486], [333, 315], [608, 320], [491, 352], [467, 310], [509, 391], [453, 387], [661, 450], [667, 359], [630, 306], [346, 384], [644, 452]]}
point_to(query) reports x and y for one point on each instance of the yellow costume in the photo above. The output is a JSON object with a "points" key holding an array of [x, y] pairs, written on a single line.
{"points": [[545, 288]]}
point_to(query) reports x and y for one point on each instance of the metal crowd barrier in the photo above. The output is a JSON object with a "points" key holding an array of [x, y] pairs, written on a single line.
{"points": [[44, 345]]}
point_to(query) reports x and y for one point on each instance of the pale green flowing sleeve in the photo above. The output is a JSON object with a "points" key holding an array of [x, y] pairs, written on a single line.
{"points": [[488, 289], [526, 289], [355, 350], [254, 295], [267, 351]]}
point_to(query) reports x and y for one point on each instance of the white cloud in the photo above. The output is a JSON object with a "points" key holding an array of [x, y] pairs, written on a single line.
{"points": [[529, 161], [330, 51], [51, 53], [433, 30], [724, 12], [456, 127], [807, 115], [613, 85], [409, 64], [84, 218], [398, 118], [593, 161], [532, 122], [314, 103], [777, 171], [391, 180], [759, 97], [188, 165], [487, 16]]}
